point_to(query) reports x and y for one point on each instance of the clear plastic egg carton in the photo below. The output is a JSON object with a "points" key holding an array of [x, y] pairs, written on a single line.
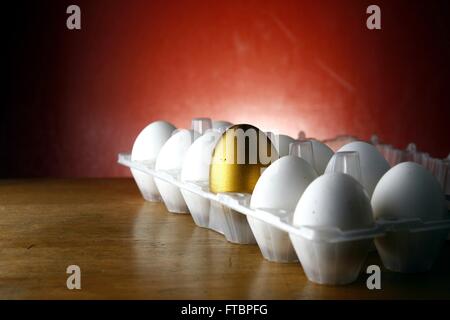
{"points": [[327, 255], [208, 210]]}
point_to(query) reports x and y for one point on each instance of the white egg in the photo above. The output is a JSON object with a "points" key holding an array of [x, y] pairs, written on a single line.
{"points": [[279, 187], [281, 143], [334, 200], [373, 165], [174, 150], [282, 183], [146, 148], [409, 191], [196, 168], [150, 140], [170, 159], [221, 125], [322, 155], [198, 157]]}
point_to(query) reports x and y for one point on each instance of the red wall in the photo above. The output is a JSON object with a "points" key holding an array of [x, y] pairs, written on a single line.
{"points": [[77, 98]]}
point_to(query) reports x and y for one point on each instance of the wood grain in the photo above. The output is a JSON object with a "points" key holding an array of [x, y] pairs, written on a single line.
{"points": [[131, 249]]}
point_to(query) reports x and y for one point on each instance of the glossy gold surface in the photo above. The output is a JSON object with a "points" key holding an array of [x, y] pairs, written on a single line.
{"points": [[128, 248], [237, 164]]}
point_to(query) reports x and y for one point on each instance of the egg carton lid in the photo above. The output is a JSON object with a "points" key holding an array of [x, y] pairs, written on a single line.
{"points": [[240, 202]]}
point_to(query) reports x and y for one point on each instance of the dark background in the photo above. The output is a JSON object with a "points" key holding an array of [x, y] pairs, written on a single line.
{"points": [[74, 99]]}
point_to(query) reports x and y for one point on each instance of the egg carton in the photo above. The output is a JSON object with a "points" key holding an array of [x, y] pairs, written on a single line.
{"points": [[328, 255]]}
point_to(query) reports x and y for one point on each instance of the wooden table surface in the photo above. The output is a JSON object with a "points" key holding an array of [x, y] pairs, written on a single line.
{"points": [[131, 249]]}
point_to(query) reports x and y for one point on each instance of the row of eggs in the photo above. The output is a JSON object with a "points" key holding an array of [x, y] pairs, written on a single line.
{"points": [[312, 190]]}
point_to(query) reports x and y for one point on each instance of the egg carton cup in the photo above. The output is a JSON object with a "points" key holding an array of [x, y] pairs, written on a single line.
{"points": [[207, 209], [328, 255], [336, 263], [146, 184], [208, 213], [171, 194], [274, 243]]}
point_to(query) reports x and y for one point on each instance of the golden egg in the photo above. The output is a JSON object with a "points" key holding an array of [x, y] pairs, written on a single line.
{"points": [[238, 159]]}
